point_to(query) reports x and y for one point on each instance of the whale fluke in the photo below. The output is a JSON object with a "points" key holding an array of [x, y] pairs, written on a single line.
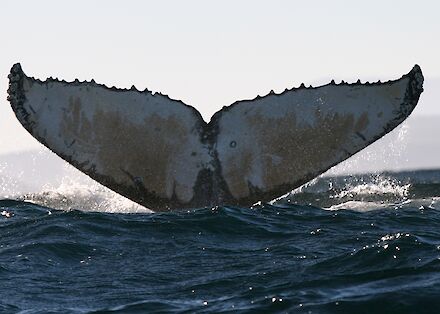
{"points": [[159, 152]]}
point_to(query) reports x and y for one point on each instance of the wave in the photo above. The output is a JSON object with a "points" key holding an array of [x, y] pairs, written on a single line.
{"points": [[274, 258], [361, 192]]}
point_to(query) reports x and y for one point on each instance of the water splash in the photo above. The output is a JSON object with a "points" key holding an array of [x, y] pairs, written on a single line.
{"points": [[379, 185], [356, 192], [78, 191], [47, 180], [358, 206], [85, 198]]}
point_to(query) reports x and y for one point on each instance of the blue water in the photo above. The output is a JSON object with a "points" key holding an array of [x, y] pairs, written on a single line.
{"points": [[355, 244]]}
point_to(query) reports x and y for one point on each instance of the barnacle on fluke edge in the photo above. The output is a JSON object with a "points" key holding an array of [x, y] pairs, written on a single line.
{"points": [[160, 153]]}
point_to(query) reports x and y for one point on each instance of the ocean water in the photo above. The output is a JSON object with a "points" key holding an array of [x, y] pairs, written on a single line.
{"points": [[348, 244]]}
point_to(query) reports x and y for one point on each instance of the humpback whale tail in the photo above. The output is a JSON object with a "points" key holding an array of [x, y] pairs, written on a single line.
{"points": [[160, 153]]}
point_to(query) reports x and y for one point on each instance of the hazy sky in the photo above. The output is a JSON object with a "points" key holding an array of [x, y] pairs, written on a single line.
{"points": [[211, 53]]}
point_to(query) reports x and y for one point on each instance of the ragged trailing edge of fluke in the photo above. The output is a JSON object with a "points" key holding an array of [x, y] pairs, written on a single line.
{"points": [[16, 95], [411, 98], [219, 185]]}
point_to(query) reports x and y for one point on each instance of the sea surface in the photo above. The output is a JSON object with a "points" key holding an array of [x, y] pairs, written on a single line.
{"points": [[348, 244]]}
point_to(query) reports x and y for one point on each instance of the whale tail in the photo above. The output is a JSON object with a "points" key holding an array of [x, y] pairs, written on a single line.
{"points": [[160, 153]]}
